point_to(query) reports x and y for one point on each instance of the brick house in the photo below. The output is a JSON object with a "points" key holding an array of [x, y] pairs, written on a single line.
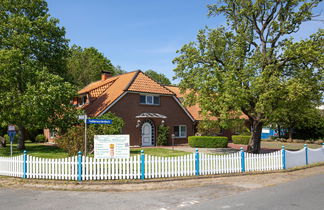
{"points": [[142, 103]]}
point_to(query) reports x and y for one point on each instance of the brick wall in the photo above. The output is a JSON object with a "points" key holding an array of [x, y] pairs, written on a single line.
{"points": [[129, 107]]}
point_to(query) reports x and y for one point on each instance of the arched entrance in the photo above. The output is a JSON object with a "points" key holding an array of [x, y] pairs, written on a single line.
{"points": [[147, 133]]}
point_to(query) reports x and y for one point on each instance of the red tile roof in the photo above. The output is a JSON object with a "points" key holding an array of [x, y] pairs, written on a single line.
{"points": [[102, 94], [195, 109], [143, 83]]}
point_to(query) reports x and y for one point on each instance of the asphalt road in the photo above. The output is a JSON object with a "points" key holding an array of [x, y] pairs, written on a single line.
{"points": [[306, 193]]}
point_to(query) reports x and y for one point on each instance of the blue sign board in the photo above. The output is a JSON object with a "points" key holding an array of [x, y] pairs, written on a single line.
{"points": [[11, 134], [99, 121]]}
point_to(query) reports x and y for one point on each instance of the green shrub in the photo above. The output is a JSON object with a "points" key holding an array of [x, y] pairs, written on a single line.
{"points": [[73, 140], [163, 135], [241, 139], [7, 138], [40, 138], [208, 141]]}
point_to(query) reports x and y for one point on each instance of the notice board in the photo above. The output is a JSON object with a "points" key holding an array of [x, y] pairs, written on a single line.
{"points": [[111, 146]]}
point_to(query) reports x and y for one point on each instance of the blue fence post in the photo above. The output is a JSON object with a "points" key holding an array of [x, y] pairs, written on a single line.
{"points": [[242, 160], [24, 165], [142, 165], [306, 153], [283, 152], [79, 166], [197, 162]]}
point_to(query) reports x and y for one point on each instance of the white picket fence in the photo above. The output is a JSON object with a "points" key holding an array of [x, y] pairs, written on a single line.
{"points": [[152, 166], [11, 166], [263, 162]]}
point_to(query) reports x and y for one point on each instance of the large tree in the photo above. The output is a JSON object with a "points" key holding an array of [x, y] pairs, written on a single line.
{"points": [[251, 65], [85, 65], [160, 78], [33, 93]]}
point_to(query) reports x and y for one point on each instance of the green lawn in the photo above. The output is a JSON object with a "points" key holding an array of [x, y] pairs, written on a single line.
{"points": [[289, 146], [49, 151], [159, 152], [39, 150]]}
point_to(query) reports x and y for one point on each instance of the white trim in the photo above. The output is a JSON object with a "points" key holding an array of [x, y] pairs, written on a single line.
{"points": [[113, 103], [184, 109], [186, 131]]}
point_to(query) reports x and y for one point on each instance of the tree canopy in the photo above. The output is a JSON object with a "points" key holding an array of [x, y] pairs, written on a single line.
{"points": [[253, 65], [33, 48], [160, 78], [85, 65]]}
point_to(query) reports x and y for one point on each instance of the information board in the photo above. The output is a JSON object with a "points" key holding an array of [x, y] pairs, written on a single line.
{"points": [[111, 146]]}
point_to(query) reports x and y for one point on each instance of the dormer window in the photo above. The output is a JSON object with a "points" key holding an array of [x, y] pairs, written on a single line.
{"points": [[150, 99], [82, 100]]}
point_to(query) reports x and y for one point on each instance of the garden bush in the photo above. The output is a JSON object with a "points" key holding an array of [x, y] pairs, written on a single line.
{"points": [[40, 138], [241, 139], [163, 135], [208, 141], [7, 138]]}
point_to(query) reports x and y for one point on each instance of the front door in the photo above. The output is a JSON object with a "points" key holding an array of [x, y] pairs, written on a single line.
{"points": [[147, 134]]}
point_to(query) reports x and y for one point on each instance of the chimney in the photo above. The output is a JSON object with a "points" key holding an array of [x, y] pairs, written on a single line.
{"points": [[105, 75]]}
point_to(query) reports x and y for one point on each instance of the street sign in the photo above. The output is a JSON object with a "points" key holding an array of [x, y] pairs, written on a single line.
{"points": [[11, 128], [82, 117], [99, 121]]}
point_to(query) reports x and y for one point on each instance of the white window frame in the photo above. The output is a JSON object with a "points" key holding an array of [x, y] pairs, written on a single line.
{"points": [[181, 126], [147, 101], [152, 96]]}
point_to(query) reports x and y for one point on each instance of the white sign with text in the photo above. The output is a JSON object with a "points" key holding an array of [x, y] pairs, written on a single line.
{"points": [[111, 146]]}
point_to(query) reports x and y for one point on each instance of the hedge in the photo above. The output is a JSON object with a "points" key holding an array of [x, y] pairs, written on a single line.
{"points": [[208, 141], [241, 139], [40, 138]]}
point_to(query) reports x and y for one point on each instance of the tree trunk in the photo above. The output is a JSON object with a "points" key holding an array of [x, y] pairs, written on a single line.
{"points": [[3, 142], [21, 139], [255, 141], [290, 133]]}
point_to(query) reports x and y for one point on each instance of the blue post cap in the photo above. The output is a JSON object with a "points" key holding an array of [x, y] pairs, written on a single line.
{"points": [[79, 153], [305, 145], [25, 152], [323, 144], [196, 149], [241, 148], [282, 147], [142, 151]]}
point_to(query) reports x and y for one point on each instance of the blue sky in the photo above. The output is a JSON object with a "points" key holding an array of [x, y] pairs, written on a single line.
{"points": [[140, 34]]}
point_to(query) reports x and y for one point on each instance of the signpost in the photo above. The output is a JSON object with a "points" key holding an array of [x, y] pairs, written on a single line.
{"points": [[11, 134], [111, 146], [91, 121]]}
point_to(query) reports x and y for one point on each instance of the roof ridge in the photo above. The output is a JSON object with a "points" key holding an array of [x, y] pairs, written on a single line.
{"points": [[132, 80], [104, 82]]}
